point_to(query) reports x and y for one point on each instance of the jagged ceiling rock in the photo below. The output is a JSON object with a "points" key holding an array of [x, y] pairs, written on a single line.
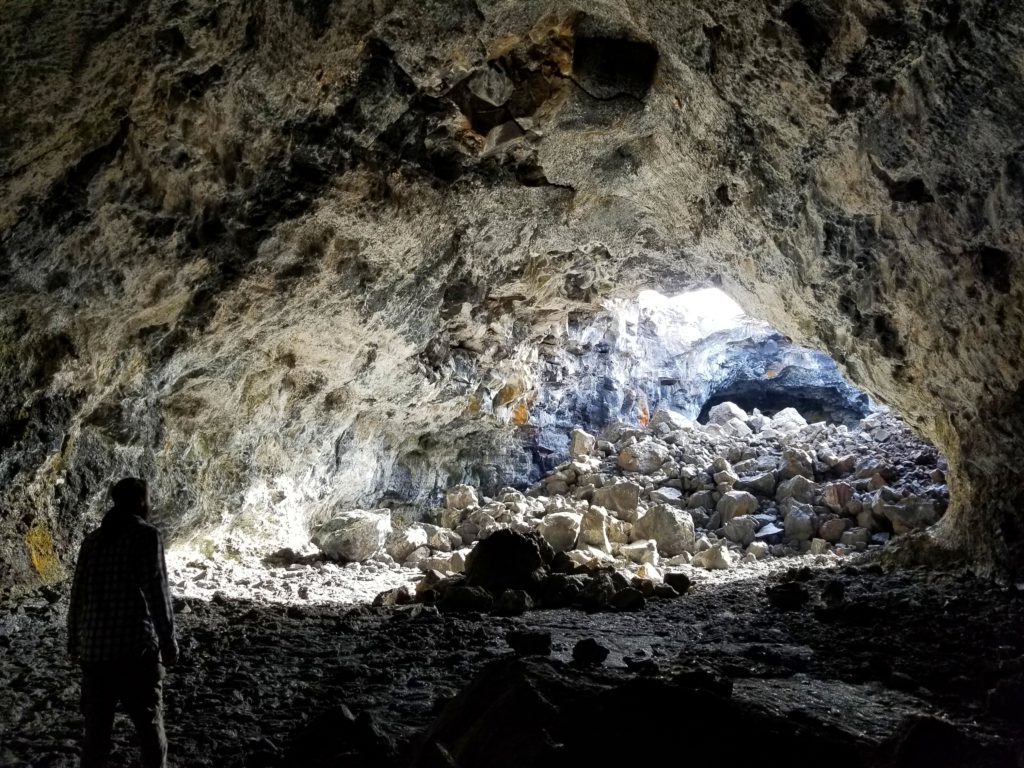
{"points": [[265, 253]]}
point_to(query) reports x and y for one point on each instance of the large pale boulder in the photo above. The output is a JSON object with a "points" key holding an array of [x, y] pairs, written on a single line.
{"points": [[671, 528], [724, 412], [788, 420], [672, 420], [355, 535], [402, 542], [717, 558], [561, 530], [620, 497], [461, 497], [641, 551], [594, 529], [581, 444], [736, 503], [645, 457]]}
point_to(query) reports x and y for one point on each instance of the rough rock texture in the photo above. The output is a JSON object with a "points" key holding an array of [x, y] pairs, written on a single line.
{"points": [[283, 257]]}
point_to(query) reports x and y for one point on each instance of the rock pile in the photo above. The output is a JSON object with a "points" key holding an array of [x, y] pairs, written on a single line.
{"points": [[638, 501]]}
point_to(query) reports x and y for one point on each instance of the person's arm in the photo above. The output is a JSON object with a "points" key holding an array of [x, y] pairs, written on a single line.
{"points": [[74, 609], [161, 609]]}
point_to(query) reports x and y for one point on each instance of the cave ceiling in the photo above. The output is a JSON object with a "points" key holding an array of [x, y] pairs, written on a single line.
{"points": [[296, 254]]}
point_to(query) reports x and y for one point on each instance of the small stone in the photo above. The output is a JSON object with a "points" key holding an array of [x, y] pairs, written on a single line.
{"points": [[819, 547], [679, 581], [589, 652], [796, 462], [628, 599], [513, 602], [757, 549]]}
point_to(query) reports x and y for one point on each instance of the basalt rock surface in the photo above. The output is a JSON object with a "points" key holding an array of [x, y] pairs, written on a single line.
{"points": [[288, 258]]}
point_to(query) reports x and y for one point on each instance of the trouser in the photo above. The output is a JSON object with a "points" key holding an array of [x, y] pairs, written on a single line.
{"points": [[138, 685]]}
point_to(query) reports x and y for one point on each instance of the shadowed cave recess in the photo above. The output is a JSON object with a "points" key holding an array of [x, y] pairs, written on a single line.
{"points": [[423, 321]]}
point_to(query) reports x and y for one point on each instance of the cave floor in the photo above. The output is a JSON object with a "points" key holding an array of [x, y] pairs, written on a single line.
{"points": [[899, 645]]}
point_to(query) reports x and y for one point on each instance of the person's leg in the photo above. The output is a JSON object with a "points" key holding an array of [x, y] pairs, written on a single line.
{"points": [[143, 699], [99, 702]]}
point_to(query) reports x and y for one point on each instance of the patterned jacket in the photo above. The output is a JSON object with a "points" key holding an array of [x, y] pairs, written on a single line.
{"points": [[120, 602]]}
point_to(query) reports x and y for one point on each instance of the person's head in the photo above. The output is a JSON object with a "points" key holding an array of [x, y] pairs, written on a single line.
{"points": [[131, 494]]}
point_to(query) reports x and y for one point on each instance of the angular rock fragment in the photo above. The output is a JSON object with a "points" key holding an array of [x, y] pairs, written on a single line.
{"points": [[355, 535], [670, 528]]}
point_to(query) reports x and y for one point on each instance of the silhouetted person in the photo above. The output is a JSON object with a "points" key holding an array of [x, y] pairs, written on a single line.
{"points": [[120, 624]]}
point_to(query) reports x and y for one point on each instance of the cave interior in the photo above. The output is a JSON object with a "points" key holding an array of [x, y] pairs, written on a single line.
{"points": [[521, 382]]}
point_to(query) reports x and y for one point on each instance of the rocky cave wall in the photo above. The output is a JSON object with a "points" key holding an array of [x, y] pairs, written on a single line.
{"points": [[268, 253]]}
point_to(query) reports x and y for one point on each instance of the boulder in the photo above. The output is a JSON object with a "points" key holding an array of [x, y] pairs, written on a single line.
{"points": [[645, 457], [717, 557], [741, 530], [788, 420], [513, 602], [797, 487], [736, 428], [619, 497], [800, 524], [855, 536], [441, 539], [355, 535], [910, 513], [460, 497], [757, 549], [736, 503], [667, 495], [505, 560], [402, 542], [762, 484], [832, 530], [641, 551], [561, 530], [594, 529], [836, 496], [796, 462], [671, 419], [723, 412], [581, 443], [671, 528]]}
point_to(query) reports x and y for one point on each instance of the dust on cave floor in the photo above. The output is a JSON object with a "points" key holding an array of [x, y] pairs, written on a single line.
{"points": [[944, 645]]}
